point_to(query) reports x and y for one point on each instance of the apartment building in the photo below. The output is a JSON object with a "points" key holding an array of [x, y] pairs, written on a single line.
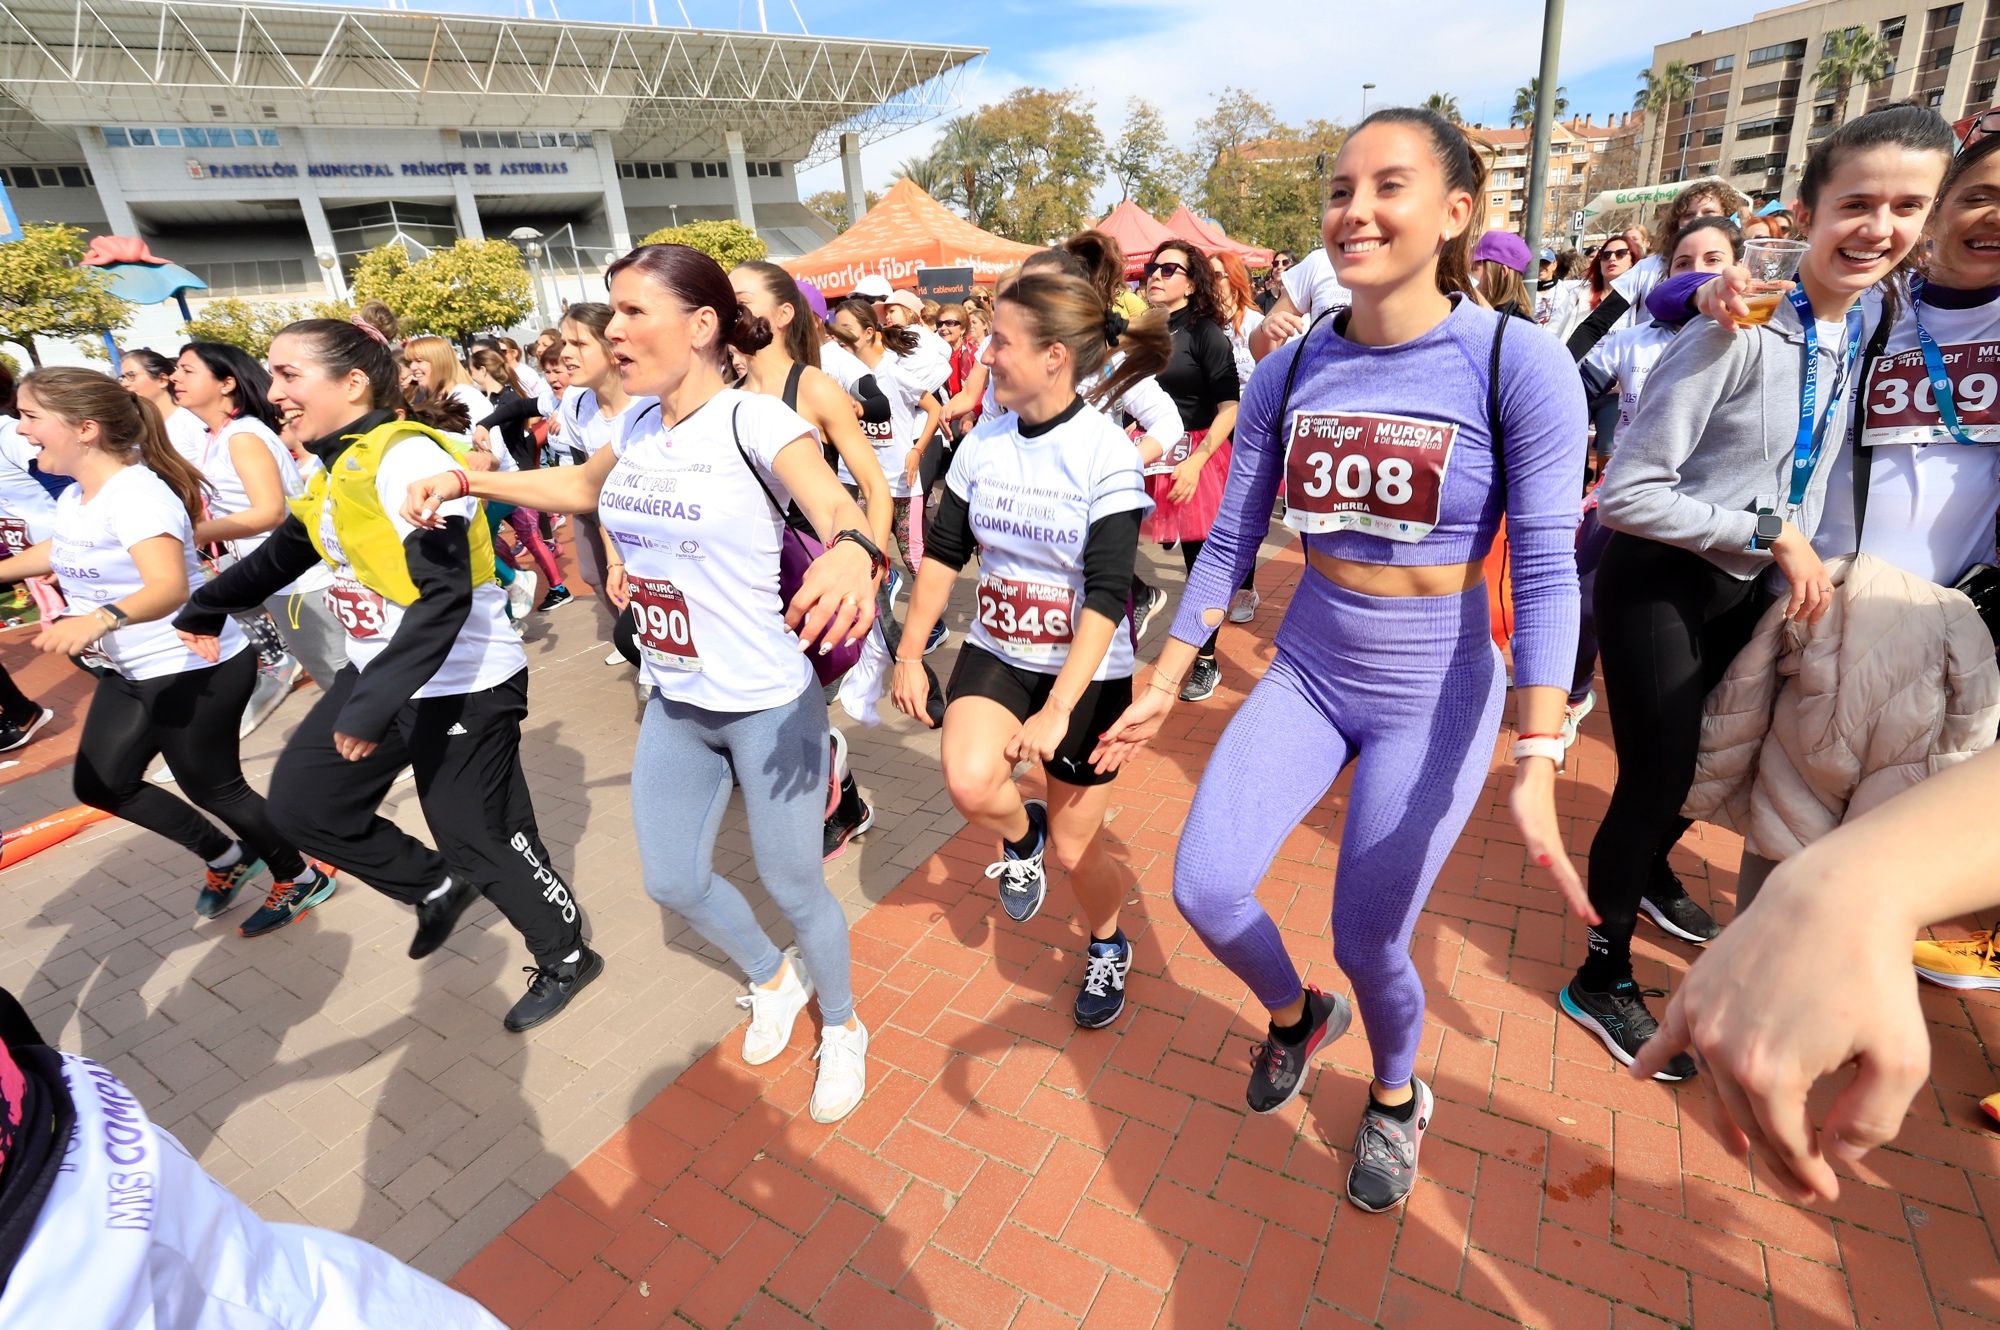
{"points": [[1757, 108], [1585, 157]]}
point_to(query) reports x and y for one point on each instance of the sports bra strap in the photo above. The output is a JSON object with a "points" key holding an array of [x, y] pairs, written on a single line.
{"points": [[792, 377]]}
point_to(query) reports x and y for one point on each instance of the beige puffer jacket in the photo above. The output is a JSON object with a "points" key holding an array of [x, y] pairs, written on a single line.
{"points": [[1896, 682]]}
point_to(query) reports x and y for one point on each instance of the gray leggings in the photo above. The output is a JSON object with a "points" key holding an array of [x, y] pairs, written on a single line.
{"points": [[680, 790]]}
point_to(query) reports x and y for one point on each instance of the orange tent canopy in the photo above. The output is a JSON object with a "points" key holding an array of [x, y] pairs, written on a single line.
{"points": [[1190, 227], [906, 231], [1137, 232]]}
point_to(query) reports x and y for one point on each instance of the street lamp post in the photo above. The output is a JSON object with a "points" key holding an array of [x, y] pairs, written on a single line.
{"points": [[530, 241], [1545, 114], [1366, 88]]}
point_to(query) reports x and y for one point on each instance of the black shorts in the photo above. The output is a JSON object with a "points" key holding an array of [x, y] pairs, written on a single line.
{"points": [[980, 673]]}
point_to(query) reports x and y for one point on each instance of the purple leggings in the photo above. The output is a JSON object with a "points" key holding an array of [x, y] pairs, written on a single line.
{"points": [[1409, 689], [529, 535]]}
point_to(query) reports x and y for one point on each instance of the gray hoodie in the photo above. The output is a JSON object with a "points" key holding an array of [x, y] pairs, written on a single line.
{"points": [[1712, 441]]}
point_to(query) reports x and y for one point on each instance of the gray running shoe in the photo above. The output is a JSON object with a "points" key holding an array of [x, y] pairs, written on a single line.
{"points": [[1385, 1154]]}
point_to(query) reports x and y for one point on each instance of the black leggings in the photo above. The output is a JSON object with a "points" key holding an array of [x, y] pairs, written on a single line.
{"points": [[1668, 624], [192, 718], [15, 705], [466, 750], [1190, 551]]}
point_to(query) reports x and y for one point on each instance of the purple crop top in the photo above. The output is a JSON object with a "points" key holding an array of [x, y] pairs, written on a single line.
{"points": [[1440, 377]]}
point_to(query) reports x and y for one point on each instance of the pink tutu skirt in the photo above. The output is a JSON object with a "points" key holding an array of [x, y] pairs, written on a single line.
{"points": [[1189, 520]]}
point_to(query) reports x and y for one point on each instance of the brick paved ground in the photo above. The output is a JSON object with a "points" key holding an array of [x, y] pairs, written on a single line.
{"points": [[620, 1168], [1010, 1170]]}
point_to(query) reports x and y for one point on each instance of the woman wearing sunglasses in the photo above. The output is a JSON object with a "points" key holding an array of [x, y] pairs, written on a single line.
{"points": [[1186, 484]]}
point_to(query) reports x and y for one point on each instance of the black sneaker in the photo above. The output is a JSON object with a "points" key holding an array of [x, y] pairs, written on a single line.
{"points": [[218, 890], [1385, 1153], [288, 901], [1676, 913], [853, 816], [1102, 998], [1278, 1069], [550, 987], [14, 735], [1201, 680], [437, 917], [1622, 1021], [1024, 885], [1145, 607], [558, 596]]}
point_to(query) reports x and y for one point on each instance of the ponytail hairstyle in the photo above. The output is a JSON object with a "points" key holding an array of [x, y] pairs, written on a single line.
{"points": [[1061, 307], [129, 427], [698, 282], [1914, 129], [1501, 288], [341, 346], [494, 364], [1201, 300], [1464, 172], [251, 396], [900, 340], [382, 319], [1103, 260], [801, 342], [1237, 278]]}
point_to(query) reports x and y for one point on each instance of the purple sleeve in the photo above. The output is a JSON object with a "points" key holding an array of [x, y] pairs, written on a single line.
{"points": [[1672, 301], [1230, 549], [1542, 409]]}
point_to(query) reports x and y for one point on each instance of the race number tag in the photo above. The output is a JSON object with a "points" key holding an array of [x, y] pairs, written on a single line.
{"points": [[1031, 621], [1166, 462], [665, 634], [1902, 409], [1361, 472], [880, 433], [362, 612], [13, 537]]}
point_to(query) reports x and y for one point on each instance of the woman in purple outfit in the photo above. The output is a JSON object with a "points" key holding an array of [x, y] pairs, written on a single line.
{"points": [[1403, 429]]}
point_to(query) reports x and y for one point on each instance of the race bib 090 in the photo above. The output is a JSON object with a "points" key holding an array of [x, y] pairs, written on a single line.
{"points": [[1358, 471], [1902, 409], [664, 630]]}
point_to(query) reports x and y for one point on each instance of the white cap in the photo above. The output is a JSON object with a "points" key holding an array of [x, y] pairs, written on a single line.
{"points": [[875, 286]]}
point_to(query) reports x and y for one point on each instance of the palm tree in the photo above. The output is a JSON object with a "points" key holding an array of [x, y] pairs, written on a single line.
{"points": [[1527, 97], [1445, 105], [1853, 56], [962, 157], [1673, 84], [926, 173]]}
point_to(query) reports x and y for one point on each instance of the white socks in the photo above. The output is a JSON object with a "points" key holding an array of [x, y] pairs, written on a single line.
{"points": [[233, 856]]}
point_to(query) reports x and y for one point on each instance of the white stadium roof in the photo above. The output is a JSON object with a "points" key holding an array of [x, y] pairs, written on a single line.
{"points": [[662, 92]]}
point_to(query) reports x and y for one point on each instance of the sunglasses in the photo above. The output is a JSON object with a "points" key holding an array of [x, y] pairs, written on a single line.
{"points": [[1616, 253], [1986, 122], [951, 323], [1168, 269]]}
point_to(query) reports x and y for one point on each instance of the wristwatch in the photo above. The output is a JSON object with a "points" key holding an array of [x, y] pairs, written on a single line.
{"points": [[119, 618], [878, 563], [1769, 527]]}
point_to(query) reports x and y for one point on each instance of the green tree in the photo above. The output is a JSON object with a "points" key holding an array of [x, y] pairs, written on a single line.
{"points": [[46, 292], [831, 205], [1853, 55], [1446, 105], [1143, 160], [240, 324], [728, 242], [1526, 98], [962, 166], [457, 292], [1264, 180], [926, 173], [1045, 155], [1658, 93]]}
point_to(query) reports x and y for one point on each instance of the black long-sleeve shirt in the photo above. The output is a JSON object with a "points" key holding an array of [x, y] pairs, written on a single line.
{"points": [[1201, 376]]}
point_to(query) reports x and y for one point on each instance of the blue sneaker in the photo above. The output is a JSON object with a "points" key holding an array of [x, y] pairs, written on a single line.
{"points": [[1101, 1000], [939, 634], [895, 584], [289, 901], [1023, 884], [218, 892]]}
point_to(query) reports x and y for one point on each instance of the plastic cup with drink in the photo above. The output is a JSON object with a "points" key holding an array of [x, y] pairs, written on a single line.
{"points": [[1773, 264]]}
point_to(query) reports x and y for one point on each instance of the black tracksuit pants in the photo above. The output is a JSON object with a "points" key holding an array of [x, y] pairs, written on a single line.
{"points": [[191, 717], [1669, 623], [466, 751]]}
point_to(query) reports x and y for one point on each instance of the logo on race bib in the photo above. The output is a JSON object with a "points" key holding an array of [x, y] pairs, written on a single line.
{"points": [[1358, 471]]}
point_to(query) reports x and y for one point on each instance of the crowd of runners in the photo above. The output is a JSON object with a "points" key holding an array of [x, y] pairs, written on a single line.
{"points": [[1740, 470]]}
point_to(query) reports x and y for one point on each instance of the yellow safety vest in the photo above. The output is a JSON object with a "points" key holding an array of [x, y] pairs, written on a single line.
{"points": [[364, 528]]}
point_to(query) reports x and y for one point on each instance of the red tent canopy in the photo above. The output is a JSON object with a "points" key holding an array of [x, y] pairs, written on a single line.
{"points": [[1137, 232], [906, 231], [1190, 227]]}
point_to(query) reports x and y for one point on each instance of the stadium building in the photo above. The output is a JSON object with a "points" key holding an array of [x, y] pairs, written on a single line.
{"points": [[267, 146]]}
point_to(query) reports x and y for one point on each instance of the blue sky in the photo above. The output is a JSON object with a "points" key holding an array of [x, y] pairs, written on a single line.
{"points": [[1306, 59]]}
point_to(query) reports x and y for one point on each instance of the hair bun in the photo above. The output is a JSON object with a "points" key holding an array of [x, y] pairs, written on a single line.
{"points": [[1115, 325], [369, 328]]}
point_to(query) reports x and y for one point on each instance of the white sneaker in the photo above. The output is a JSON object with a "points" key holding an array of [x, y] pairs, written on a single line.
{"points": [[521, 595], [843, 1072], [773, 1011], [615, 658], [1243, 606], [274, 684], [1573, 715]]}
